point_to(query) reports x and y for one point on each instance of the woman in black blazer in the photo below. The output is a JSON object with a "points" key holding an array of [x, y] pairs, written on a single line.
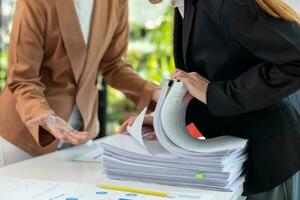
{"points": [[240, 60]]}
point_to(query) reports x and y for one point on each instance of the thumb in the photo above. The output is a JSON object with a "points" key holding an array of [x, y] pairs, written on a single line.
{"points": [[151, 136], [123, 127]]}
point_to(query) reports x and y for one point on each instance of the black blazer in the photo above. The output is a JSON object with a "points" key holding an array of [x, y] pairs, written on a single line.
{"points": [[253, 63]]}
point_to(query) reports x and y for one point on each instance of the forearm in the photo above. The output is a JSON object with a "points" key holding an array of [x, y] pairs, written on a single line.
{"points": [[257, 88], [124, 78]]}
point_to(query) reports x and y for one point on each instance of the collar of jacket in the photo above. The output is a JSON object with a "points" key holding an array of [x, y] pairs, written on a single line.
{"points": [[78, 52]]}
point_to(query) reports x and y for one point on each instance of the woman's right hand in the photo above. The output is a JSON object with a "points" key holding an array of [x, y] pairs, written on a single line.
{"points": [[60, 129]]}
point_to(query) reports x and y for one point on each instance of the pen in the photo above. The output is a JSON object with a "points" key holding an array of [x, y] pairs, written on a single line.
{"points": [[150, 192]]}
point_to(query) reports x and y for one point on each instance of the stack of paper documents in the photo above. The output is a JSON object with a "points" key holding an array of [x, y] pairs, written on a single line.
{"points": [[175, 158]]}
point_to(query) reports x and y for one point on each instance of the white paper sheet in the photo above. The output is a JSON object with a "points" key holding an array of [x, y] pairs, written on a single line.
{"points": [[92, 156], [173, 121], [135, 130], [19, 189], [128, 144]]}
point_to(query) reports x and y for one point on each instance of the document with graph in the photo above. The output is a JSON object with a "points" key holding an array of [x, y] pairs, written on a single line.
{"points": [[21, 189]]}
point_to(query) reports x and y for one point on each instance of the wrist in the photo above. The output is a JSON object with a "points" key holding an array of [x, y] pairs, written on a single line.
{"points": [[155, 95], [202, 96], [205, 88]]}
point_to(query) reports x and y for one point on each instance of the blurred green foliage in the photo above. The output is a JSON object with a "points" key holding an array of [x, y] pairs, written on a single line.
{"points": [[151, 54], [3, 64], [7, 8]]}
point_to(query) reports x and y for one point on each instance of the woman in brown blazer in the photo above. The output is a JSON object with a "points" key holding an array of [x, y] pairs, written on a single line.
{"points": [[53, 70]]}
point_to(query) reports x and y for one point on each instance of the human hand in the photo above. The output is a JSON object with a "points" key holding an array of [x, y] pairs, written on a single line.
{"points": [[60, 129], [155, 95], [195, 84], [148, 130]]}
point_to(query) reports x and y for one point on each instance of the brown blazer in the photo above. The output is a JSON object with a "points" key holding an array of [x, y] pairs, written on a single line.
{"points": [[51, 68]]}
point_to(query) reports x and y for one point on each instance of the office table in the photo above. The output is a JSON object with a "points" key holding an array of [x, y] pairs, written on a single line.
{"points": [[58, 166]]}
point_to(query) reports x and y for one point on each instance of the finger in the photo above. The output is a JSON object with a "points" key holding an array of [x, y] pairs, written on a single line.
{"points": [[85, 133], [194, 74], [123, 127], [147, 129], [82, 136], [179, 73], [184, 80], [148, 120], [187, 97], [70, 138], [151, 136], [175, 72], [55, 132], [131, 121]]}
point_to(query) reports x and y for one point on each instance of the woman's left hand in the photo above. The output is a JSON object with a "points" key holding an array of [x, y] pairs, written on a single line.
{"points": [[195, 84], [147, 126]]}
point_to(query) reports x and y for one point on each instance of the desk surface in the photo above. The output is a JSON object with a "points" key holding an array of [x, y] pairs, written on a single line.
{"points": [[58, 166]]}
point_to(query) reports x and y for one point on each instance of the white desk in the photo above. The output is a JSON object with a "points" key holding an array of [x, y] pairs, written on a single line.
{"points": [[58, 166]]}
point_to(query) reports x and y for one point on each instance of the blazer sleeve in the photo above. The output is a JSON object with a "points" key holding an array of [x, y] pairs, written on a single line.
{"points": [[277, 43], [118, 73], [25, 59]]}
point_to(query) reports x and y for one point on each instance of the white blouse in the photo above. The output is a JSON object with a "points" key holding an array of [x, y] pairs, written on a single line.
{"points": [[84, 10], [180, 5]]}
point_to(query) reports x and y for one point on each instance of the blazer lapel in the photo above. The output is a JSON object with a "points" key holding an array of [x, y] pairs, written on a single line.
{"points": [[72, 35], [100, 25], [188, 22]]}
